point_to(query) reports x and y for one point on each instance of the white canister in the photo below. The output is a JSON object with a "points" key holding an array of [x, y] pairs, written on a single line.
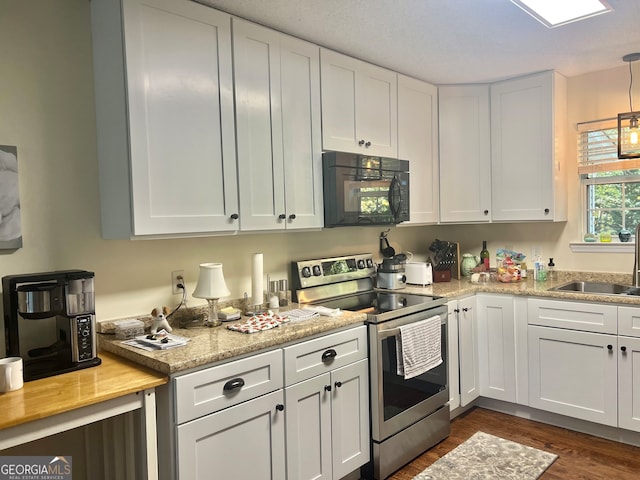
{"points": [[11, 374]]}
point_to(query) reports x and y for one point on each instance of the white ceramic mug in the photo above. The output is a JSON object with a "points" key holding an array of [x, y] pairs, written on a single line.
{"points": [[10, 374]]}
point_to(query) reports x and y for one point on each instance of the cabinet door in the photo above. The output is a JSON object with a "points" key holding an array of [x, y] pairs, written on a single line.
{"points": [[418, 143], [302, 137], [350, 417], [629, 383], [308, 414], [359, 106], [453, 356], [183, 163], [377, 110], [524, 166], [256, 55], [496, 347], [465, 155], [241, 442], [468, 347], [574, 373]]}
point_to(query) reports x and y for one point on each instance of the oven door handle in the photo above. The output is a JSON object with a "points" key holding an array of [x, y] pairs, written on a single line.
{"points": [[390, 332]]}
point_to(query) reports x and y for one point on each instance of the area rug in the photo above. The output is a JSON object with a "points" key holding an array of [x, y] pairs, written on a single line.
{"points": [[484, 457]]}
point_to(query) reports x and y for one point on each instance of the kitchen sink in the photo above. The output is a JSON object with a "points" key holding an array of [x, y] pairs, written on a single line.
{"points": [[597, 288]]}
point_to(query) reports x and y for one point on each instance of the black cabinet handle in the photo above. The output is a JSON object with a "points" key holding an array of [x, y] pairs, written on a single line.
{"points": [[329, 355], [466, 309], [361, 142], [368, 144], [282, 216], [486, 212], [338, 384], [456, 310], [279, 407], [609, 347], [546, 211], [292, 216], [623, 348], [234, 216], [327, 388], [233, 384]]}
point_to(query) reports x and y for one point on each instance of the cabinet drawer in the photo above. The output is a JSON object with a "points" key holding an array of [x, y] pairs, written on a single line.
{"points": [[305, 360], [589, 317], [629, 321], [203, 392]]}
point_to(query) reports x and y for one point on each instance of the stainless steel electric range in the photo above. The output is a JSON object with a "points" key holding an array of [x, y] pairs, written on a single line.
{"points": [[408, 416]]}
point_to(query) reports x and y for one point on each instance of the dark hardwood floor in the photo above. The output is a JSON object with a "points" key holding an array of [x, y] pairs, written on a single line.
{"points": [[580, 456]]}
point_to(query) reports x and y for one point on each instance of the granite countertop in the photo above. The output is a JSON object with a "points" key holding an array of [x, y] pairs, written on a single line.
{"points": [[210, 345]]}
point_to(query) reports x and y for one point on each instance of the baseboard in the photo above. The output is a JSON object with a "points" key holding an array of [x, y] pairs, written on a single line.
{"points": [[603, 431]]}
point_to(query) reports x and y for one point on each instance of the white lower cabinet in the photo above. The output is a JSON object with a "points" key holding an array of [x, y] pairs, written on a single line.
{"points": [[327, 423], [629, 368], [241, 442], [574, 373], [463, 312], [497, 347], [573, 359], [327, 415]]}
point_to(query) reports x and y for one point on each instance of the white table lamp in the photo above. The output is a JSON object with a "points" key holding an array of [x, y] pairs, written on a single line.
{"points": [[211, 285]]}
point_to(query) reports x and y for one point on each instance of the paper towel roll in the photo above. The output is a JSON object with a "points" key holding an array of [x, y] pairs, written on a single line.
{"points": [[257, 275]]}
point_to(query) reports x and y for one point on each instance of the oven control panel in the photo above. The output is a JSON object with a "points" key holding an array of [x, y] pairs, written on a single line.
{"points": [[322, 271]]}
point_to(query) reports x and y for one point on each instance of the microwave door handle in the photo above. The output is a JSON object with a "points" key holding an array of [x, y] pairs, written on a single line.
{"points": [[393, 186]]}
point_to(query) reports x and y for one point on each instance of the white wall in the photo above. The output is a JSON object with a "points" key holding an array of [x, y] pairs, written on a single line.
{"points": [[47, 111]]}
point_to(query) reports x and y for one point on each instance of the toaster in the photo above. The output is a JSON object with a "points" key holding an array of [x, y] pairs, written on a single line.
{"points": [[418, 273]]}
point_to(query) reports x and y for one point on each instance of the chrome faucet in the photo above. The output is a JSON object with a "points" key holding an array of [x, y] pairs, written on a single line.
{"points": [[636, 259]]}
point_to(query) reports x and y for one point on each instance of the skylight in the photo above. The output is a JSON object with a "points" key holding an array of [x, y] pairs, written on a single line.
{"points": [[554, 13]]}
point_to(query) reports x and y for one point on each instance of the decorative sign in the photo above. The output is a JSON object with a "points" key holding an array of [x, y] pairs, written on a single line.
{"points": [[10, 224]]}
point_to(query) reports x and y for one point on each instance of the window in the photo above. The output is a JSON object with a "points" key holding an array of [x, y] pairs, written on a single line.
{"points": [[611, 185]]}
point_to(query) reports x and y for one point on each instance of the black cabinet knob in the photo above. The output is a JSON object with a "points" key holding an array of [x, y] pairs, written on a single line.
{"points": [[327, 388], [282, 216], [368, 144], [234, 216], [623, 348], [546, 211], [361, 142], [486, 212], [279, 407], [456, 310], [292, 216], [338, 384], [609, 347]]}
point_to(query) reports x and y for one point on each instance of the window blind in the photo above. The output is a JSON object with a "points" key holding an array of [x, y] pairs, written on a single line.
{"points": [[598, 148]]}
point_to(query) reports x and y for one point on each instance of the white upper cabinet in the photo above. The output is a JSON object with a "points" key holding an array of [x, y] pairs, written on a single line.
{"points": [[165, 120], [359, 106], [277, 91], [418, 143], [465, 154], [528, 116]]}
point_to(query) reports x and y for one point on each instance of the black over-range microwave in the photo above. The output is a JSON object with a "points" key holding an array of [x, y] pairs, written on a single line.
{"points": [[364, 190]]}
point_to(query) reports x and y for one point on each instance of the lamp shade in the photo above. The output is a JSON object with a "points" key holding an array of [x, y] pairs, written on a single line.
{"points": [[211, 282]]}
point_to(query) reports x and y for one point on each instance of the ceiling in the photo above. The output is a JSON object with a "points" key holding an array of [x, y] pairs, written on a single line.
{"points": [[452, 41]]}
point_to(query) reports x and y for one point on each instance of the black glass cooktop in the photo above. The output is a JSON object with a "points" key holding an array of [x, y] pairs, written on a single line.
{"points": [[375, 303]]}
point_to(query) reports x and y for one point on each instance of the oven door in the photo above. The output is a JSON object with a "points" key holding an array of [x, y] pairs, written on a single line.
{"points": [[396, 402]]}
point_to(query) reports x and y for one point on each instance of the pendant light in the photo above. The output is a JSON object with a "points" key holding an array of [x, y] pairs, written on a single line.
{"points": [[628, 131]]}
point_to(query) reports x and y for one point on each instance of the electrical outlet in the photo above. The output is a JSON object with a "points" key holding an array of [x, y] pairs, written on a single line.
{"points": [[177, 277]]}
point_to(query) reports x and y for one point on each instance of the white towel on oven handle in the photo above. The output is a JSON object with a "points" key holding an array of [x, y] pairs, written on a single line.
{"points": [[419, 347]]}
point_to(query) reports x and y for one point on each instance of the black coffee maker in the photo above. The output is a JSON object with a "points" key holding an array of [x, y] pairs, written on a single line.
{"points": [[49, 321]]}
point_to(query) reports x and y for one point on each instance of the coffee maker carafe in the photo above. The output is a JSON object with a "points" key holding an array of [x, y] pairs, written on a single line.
{"points": [[49, 321]]}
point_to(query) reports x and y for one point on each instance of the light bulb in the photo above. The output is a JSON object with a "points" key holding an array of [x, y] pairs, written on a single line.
{"points": [[633, 137]]}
